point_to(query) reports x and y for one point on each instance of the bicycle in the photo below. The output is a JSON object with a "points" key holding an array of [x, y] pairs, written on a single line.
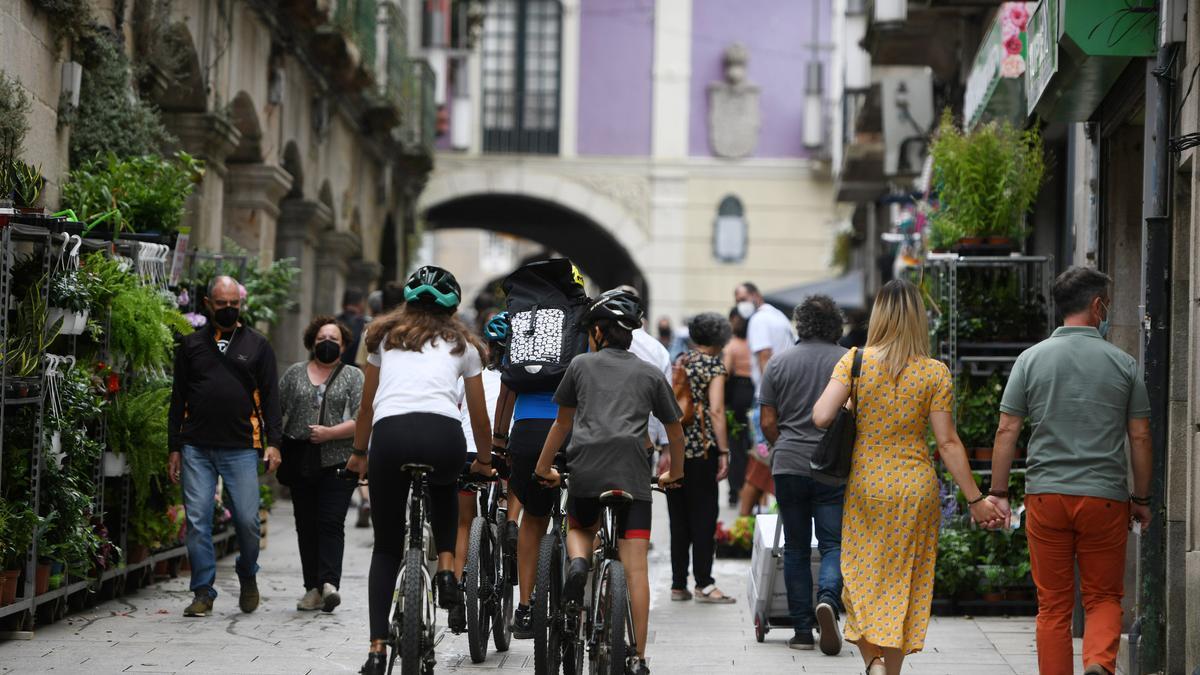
{"points": [[550, 650], [486, 582], [411, 636]]}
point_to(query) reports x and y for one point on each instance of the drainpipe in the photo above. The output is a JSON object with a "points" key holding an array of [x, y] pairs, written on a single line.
{"points": [[1149, 631]]}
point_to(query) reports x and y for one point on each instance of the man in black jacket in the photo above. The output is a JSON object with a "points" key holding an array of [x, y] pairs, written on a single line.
{"points": [[224, 410]]}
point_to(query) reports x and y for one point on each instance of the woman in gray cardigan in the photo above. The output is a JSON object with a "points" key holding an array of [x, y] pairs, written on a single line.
{"points": [[320, 399]]}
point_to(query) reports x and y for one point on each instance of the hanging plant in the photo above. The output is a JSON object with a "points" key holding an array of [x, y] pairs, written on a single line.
{"points": [[986, 180], [142, 328]]}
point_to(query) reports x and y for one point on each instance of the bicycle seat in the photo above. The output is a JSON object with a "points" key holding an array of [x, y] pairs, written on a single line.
{"points": [[417, 469], [616, 497]]}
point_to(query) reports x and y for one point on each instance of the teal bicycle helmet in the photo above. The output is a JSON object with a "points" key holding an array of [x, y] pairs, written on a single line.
{"points": [[497, 329], [432, 285]]}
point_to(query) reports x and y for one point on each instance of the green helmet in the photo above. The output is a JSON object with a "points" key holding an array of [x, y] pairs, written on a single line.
{"points": [[432, 285]]}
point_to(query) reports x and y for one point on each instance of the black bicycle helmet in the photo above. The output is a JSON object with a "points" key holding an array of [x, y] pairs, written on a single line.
{"points": [[617, 305], [432, 285]]}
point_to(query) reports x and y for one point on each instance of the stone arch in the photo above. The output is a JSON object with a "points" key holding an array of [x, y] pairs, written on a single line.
{"points": [[294, 164], [244, 115], [179, 79], [591, 229]]}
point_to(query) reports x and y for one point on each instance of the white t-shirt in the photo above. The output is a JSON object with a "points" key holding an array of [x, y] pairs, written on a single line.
{"points": [[427, 381], [491, 393], [768, 329], [653, 352]]}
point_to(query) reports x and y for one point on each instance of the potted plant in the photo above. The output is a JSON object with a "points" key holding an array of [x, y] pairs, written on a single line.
{"points": [[986, 181], [70, 300]]}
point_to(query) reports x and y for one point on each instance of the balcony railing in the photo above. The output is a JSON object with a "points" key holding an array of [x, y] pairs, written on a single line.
{"points": [[418, 123], [358, 20]]}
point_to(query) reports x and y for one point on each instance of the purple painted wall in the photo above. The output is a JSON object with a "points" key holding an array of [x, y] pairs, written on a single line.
{"points": [[616, 59], [778, 35]]}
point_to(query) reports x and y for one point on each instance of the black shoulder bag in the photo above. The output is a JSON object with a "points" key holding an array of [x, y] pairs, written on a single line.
{"points": [[300, 457], [831, 460]]}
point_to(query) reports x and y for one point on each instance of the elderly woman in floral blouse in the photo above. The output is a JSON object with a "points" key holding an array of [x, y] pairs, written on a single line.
{"points": [[320, 399]]}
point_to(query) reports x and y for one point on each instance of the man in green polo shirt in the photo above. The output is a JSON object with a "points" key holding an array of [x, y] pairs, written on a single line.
{"points": [[1083, 397]]}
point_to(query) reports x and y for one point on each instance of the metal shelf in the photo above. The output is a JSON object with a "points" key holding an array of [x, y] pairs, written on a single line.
{"points": [[20, 605]]}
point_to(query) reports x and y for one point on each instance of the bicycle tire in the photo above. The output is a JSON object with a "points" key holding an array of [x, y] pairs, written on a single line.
{"points": [[547, 592], [412, 638], [613, 608], [502, 594], [474, 584]]}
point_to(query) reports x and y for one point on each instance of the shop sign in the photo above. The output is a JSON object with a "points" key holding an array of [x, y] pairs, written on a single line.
{"points": [[1042, 41], [994, 87]]}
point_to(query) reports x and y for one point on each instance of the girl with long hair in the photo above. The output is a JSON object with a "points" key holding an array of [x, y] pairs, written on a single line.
{"points": [[410, 414], [892, 511]]}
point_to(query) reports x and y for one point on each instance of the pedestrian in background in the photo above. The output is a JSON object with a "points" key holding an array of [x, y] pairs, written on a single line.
{"points": [[739, 398], [768, 331], [693, 506], [1083, 397], [224, 411], [354, 315], [791, 386], [319, 399], [892, 509]]}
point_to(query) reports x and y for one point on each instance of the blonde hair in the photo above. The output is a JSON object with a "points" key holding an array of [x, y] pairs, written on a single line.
{"points": [[899, 328]]}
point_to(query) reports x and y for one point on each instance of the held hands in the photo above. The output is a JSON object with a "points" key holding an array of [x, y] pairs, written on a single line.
{"points": [[549, 478], [358, 465], [988, 515], [272, 458]]}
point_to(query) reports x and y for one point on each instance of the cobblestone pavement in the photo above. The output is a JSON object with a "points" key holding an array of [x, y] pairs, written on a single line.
{"points": [[146, 632]]}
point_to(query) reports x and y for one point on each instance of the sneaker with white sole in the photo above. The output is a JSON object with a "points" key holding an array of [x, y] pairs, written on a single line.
{"points": [[831, 633], [311, 601], [330, 598]]}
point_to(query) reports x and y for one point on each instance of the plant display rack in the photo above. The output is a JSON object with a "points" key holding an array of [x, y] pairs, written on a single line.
{"points": [[39, 236]]}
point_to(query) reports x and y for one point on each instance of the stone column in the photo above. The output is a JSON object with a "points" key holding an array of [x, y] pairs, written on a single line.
{"points": [[362, 274], [299, 222], [252, 194], [337, 250], [211, 138]]}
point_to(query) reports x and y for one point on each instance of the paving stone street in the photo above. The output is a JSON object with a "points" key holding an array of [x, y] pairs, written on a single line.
{"points": [[145, 632]]}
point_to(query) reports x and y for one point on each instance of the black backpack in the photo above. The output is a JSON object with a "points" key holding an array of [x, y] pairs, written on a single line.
{"points": [[545, 306]]}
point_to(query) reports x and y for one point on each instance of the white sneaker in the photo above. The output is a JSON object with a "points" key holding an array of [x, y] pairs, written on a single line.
{"points": [[310, 602], [329, 597]]}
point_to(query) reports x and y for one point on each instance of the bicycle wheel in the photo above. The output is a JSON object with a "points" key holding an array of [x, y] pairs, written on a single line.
{"points": [[547, 591], [413, 641], [611, 613], [502, 594], [475, 585]]}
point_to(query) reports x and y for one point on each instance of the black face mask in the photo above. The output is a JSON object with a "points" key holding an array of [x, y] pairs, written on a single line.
{"points": [[226, 317], [327, 351]]}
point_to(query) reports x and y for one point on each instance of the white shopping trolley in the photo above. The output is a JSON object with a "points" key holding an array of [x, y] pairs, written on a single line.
{"points": [[767, 591]]}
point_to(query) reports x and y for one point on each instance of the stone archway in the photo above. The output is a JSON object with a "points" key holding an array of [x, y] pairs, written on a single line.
{"points": [[594, 231]]}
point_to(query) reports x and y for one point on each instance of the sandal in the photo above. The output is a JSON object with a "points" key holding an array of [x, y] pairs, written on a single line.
{"points": [[710, 594], [877, 667], [680, 594]]}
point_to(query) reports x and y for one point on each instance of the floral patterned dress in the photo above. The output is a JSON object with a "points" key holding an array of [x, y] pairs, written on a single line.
{"points": [[891, 514], [701, 369]]}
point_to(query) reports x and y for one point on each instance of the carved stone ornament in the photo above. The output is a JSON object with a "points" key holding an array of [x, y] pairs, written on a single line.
{"points": [[733, 116]]}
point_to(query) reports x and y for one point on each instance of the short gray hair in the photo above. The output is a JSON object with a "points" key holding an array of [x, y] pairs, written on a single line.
{"points": [[818, 318], [221, 279], [709, 329], [1075, 289]]}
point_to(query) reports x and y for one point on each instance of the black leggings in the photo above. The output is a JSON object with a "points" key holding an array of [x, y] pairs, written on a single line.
{"points": [[739, 397], [693, 511], [415, 438]]}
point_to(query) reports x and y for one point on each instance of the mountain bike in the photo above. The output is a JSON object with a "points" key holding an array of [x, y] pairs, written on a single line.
{"points": [[553, 635], [412, 633], [486, 584]]}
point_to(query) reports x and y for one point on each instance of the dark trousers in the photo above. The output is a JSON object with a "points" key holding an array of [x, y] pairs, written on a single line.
{"points": [[693, 511], [804, 502], [320, 506], [739, 397]]}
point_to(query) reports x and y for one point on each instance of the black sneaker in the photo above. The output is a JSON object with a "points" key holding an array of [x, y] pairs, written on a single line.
{"points": [[639, 667], [827, 624], [457, 619], [511, 532], [376, 664], [577, 572], [522, 625], [802, 640], [449, 592]]}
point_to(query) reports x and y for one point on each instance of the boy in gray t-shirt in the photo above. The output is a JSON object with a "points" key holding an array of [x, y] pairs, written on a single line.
{"points": [[604, 401]]}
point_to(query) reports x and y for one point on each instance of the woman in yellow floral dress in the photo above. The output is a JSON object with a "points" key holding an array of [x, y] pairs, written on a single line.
{"points": [[891, 515]]}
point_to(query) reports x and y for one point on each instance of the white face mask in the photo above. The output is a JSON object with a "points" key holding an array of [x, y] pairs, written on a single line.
{"points": [[746, 309]]}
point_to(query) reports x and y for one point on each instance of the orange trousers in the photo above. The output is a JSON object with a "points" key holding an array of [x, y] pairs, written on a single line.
{"points": [[1064, 530]]}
